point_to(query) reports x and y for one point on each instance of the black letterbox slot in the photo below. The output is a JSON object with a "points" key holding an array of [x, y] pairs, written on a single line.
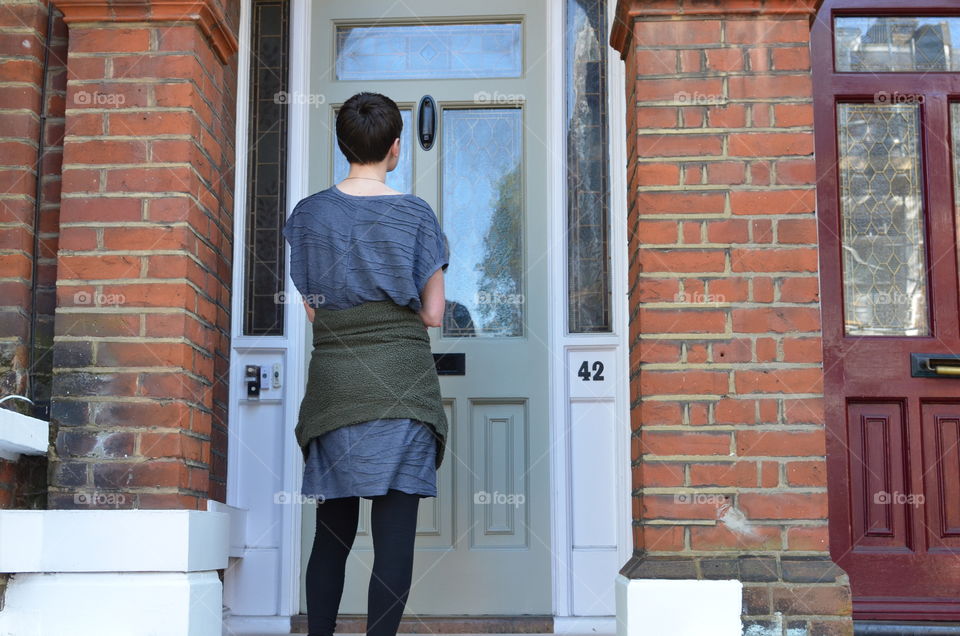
{"points": [[450, 363]]}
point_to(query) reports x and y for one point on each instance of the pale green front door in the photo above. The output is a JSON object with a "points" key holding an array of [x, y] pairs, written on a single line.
{"points": [[484, 544]]}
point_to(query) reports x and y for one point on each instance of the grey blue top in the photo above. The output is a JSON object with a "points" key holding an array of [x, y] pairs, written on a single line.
{"points": [[366, 459], [347, 250]]}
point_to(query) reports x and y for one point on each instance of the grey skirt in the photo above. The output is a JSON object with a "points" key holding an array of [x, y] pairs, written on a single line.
{"points": [[368, 458]]}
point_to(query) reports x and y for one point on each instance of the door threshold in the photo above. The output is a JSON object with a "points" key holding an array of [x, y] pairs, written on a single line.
{"points": [[487, 624], [905, 628]]}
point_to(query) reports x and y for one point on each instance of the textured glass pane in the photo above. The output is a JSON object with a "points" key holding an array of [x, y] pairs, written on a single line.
{"points": [[881, 207], [266, 170], [428, 51], [896, 43], [401, 177], [482, 212], [588, 201]]}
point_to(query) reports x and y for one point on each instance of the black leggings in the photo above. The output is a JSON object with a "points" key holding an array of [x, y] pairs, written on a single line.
{"points": [[394, 526]]}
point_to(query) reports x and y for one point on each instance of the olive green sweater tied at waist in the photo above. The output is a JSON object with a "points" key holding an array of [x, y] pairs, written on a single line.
{"points": [[370, 361]]}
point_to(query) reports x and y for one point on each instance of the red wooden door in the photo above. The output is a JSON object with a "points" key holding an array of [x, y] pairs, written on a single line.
{"points": [[886, 118]]}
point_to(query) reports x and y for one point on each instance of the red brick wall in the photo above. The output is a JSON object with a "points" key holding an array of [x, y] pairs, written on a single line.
{"points": [[726, 368], [143, 308], [22, 34], [23, 37]]}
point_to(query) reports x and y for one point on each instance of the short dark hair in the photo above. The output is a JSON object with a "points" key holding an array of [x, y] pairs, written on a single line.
{"points": [[367, 124]]}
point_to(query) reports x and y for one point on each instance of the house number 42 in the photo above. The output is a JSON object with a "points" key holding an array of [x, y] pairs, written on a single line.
{"points": [[585, 368]]}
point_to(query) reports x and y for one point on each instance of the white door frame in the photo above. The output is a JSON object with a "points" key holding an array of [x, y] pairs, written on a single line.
{"points": [[291, 348], [560, 398]]}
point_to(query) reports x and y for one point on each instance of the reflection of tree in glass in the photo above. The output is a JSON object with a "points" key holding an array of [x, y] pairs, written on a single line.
{"points": [[499, 294]]}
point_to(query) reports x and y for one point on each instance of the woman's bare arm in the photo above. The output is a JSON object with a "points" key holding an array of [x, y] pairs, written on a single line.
{"points": [[432, 300], [309, 310]]}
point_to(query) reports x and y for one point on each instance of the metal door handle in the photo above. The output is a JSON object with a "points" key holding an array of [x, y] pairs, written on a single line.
{"points": [[934, 365], [946, 369], [426, 122]]}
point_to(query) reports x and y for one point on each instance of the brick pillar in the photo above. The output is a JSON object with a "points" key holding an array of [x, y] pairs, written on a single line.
{"points": [[141, 349], [28, 231], [22, 34], [726, 366]]}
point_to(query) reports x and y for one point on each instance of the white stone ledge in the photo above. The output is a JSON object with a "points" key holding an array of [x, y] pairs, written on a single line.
{"points": [[113, 572], [22, 435], [238, 525], [678, 607], [113, 540], [113, 604]]}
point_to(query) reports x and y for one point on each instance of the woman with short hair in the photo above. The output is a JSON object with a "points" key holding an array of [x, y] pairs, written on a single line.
{"points": [[369, 263]]}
